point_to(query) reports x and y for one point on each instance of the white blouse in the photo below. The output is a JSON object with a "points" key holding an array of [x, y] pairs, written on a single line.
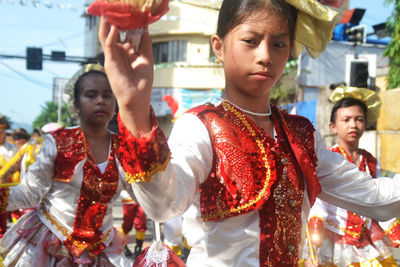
{"points": [[235, 241]]}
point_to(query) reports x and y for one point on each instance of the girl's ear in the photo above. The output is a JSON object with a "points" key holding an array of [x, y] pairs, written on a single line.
{"points": [[218, 46], [332, 127]]}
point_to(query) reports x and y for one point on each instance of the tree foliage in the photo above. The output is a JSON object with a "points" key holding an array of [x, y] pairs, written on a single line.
{"points": [[392, 51], [284, 91], [49, 114]]}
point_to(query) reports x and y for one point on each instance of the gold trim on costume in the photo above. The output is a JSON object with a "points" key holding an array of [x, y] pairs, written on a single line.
{"points": [[147, 175], [65, 233], [261, 194]]}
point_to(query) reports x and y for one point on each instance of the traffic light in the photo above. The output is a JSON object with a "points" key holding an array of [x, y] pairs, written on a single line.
{"points": [[359, 74], [357, 34], [34, 58]]}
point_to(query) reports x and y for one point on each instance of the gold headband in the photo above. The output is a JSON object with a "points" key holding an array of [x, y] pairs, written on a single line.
{"points": [[69, 86], [367, 96], [314, 27]]}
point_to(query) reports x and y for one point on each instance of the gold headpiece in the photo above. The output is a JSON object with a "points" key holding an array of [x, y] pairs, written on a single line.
{"points": [[367, 96], [69, 86], [314, 27]]}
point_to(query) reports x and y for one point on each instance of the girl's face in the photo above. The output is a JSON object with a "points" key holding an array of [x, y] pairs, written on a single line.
{"points": [[96, 101], [349, 124], [255, 53]]}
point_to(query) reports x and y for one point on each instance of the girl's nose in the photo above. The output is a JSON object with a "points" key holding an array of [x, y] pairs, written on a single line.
{"points": [[264, 54]]}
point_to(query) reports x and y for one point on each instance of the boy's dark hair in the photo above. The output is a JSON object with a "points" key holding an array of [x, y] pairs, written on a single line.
{"points": [[348, 102]]}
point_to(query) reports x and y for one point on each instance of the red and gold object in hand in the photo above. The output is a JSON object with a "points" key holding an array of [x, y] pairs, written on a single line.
{"points": [[131, 16]]}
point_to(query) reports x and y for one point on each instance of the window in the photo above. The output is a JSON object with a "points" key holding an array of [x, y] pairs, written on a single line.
{"points": [[171, 51]]}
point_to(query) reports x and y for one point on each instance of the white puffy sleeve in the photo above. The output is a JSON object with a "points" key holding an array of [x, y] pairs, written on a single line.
{"points": [[172, 191], [345, 186], [37, 180]]}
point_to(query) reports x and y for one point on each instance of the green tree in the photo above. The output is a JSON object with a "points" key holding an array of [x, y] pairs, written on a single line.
{"points": [[392, 51], [284, 91], [49, 114]]}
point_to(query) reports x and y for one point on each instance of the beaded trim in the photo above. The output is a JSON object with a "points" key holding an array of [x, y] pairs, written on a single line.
{"points": [[68, 236], [344, 154], [267, 184], [346, 231], [147, 175]]}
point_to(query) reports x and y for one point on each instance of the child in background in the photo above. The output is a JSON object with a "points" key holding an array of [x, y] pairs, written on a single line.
{"points": [[243, 173], [339, 237], [133, 215], [76, 178]]}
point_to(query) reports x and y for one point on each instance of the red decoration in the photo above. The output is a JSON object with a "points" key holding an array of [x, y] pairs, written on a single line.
{"points": [[142, 157], [124, 16], [367, 160], [71, 149], [240, 175], [97, 190]]}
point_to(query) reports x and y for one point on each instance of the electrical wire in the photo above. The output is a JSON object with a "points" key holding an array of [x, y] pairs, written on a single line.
{"points": [[43, 85]]}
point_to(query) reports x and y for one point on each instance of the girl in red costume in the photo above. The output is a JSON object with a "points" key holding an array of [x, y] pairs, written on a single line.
{"points": [[243, 172], [340, 237], [76, 178]]}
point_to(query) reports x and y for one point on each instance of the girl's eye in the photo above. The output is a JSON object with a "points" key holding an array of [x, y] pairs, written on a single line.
{"points": [[250, 41], [108, 96], [91, 96], [280, 44]]}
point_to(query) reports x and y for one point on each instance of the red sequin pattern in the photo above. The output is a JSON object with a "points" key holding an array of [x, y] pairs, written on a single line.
{"points": [[97, 190], [242, 173], [71, 149], [142, 157]]}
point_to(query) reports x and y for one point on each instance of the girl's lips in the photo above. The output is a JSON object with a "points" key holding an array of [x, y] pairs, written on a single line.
{"points": [[101, 113], [261, 75]]}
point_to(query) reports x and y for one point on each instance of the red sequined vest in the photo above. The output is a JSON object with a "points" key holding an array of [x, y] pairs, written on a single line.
{"points": [[96, 192], [253, 172]]}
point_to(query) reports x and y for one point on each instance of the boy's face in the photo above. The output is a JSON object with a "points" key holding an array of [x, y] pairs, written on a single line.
{"points": [[349, 124]]}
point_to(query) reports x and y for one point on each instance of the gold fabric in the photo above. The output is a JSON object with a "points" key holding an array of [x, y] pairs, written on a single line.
{"points": [[314, 27], [69, 86], [369, 97]]}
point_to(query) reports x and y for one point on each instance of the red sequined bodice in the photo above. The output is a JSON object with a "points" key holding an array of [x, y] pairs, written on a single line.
{"points": [[251, 171]]}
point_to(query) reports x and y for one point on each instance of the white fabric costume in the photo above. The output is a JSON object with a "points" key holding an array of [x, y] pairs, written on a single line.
{"points": [[235, 241], [56, 217]]}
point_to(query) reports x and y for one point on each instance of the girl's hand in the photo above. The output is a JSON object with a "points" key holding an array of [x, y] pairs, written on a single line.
{"points": [[130, 74]]}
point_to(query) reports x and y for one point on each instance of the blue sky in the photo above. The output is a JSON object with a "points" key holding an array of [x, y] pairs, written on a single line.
{"points": [[23, 92]]}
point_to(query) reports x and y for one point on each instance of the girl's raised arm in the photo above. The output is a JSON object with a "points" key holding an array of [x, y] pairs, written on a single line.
{"points": [[130, 74]]}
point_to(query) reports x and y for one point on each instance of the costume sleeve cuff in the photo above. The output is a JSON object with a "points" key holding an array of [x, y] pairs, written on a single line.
{"points": [[4, 194], [142, 157], [394, 233]]}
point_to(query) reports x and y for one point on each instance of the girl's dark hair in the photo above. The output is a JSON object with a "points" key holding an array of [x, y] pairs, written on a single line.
{"points": [[348, 102], [77, 86], [235, 12]]}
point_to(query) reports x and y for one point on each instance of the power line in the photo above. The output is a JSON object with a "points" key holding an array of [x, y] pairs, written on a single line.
{"points": [[25, 77]]}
